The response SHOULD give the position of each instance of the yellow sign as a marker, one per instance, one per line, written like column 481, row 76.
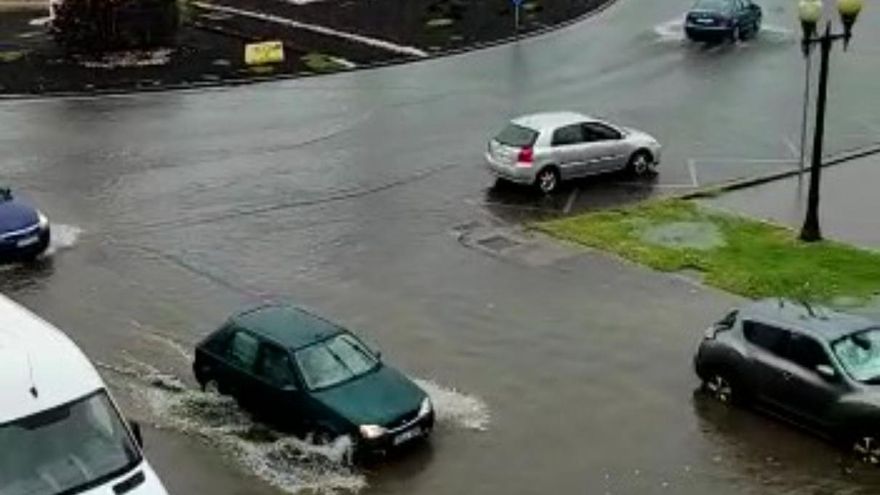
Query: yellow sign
column 270, row 52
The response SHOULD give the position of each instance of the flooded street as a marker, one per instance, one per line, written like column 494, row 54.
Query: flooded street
column 363, row 197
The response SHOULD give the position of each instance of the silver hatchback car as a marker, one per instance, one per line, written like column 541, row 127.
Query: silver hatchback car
column 546, row 148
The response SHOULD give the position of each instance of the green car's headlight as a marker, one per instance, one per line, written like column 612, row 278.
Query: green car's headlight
column 44, row 222
column 371, row 432
column 426, row 407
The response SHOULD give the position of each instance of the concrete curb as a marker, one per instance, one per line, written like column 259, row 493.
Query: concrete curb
column 231, row 83
column 735, row 185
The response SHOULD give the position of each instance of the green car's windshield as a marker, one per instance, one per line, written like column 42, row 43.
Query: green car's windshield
column 334, row 361
column 66, row 449
column 859, row 354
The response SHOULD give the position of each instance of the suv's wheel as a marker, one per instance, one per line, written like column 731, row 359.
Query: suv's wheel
column 547, row 180
column 641, row 164
column 721, row 387
column 866, row 447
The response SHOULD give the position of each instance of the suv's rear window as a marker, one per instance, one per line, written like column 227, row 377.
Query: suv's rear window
column 515, row 135
column 713, row 5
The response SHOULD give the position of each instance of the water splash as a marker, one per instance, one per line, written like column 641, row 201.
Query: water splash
column 672, row 31
column 286, row 462
column 63, row 237
column 455, row 408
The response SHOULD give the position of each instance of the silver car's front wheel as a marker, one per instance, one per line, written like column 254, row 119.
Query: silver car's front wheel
column 547, row 180
column 641, row 164
column 867, row 449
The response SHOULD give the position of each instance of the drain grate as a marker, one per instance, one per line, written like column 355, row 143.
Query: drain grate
column 497, row 243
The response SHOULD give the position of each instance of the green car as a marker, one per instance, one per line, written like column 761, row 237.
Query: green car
column 313, row 377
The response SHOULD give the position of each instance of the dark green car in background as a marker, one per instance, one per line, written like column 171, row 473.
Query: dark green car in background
column 313, row 377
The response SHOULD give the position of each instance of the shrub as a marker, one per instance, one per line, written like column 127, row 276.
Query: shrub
column 106, row 25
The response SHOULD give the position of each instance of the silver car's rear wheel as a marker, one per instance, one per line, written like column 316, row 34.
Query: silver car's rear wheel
column 720, row 388
column 547, row 180
column 867, row 449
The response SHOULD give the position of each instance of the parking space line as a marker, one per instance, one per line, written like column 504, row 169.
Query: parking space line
column 795, row 151
column 692, row 169
column 571, row 199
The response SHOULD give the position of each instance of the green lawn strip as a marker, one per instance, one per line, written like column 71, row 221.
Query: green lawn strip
column 320, row 62
column 757, row 259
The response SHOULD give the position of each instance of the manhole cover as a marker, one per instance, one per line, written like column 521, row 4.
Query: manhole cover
column 497, row 243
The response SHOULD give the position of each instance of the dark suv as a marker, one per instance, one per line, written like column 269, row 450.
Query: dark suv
column 311, row 376
column 818, row 367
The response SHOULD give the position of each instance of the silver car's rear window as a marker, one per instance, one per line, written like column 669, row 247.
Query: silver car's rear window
column 515, row 135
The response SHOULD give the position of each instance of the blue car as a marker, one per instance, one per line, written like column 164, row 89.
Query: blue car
column 24, row 230
column 719, row 20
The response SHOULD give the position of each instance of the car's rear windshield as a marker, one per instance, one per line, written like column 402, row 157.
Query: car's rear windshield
column 713, row 5
column 65, row 450
column 859, row 354
column 516, row 135
column 333, row 361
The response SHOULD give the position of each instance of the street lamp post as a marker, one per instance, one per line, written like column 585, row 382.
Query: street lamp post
column 810, row 12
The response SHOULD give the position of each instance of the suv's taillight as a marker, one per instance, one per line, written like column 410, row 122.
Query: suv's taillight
column 525, row 157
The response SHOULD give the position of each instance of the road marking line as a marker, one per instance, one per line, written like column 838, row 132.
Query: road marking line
column 692, row 169
column 377, row 43
column 571, row 199
column 743, row 160
column 795, row 151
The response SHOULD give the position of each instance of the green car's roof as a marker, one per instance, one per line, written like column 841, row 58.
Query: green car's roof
column 287, row 325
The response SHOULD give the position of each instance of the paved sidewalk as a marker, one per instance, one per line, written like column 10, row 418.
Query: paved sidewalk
column 849, row 201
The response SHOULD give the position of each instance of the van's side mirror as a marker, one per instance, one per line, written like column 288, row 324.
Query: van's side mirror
column 826, row 372
column 136, row 431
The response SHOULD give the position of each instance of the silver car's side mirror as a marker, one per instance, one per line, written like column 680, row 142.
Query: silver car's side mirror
column 826, row 371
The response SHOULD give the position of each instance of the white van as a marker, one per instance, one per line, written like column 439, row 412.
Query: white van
column 60, row 431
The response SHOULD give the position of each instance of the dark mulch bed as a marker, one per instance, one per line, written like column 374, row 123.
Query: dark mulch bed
column 408, row 21
column 34, row 65
column 210, row 47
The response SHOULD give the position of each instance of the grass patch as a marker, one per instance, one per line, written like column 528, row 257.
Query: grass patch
column 319, row 62
column 756, row 259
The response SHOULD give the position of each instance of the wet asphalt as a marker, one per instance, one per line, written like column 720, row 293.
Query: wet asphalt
column 357, row 195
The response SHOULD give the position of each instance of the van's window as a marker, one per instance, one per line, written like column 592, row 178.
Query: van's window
column 334, row 361
column 243, row 350
column 518, row 136
column 68, row 449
